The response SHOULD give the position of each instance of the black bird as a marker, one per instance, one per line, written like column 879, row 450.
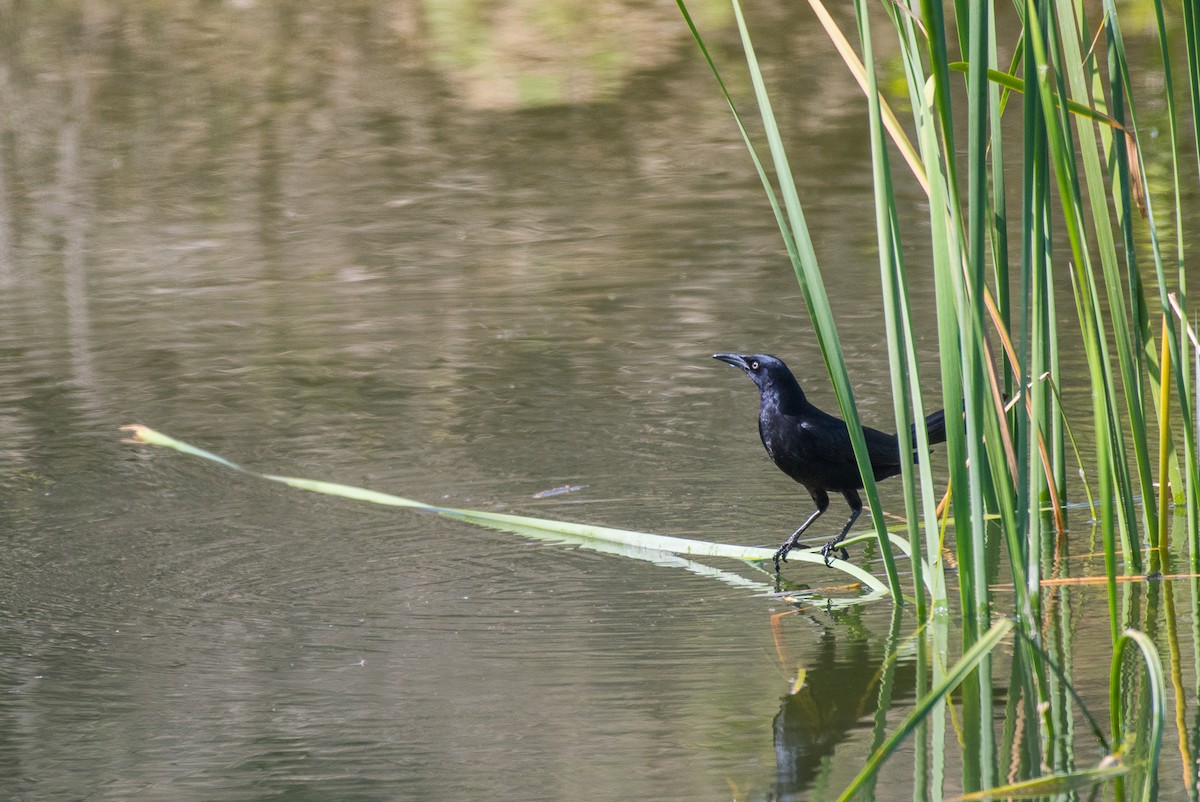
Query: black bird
column 813, row 447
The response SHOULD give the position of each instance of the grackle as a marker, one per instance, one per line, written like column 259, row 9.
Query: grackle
column 813, row 447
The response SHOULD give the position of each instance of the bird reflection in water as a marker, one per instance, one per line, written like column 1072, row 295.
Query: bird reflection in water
column 843, row 687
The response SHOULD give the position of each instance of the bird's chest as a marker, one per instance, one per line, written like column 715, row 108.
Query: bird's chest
column 781, row 436
column 795, row 446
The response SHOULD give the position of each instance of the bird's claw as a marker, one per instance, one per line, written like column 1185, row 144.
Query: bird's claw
column 781, row 555
column 830, row 549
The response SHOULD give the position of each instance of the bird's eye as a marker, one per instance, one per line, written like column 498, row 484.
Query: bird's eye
column 754, row 364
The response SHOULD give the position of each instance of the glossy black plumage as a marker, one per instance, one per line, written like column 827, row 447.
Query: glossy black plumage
column 813, row 447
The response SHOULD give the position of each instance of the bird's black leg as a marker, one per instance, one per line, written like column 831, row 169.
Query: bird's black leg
column 855, row 509
column 821, row 499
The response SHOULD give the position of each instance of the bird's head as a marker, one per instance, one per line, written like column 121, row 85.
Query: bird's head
column 766, row 370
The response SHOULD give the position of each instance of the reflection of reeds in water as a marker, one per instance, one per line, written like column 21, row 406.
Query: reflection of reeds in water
column 1057, row 114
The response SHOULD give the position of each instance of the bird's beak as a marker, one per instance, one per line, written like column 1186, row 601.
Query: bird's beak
column 733, row 359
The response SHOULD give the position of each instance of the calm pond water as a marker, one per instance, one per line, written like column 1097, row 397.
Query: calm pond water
column 460, row 254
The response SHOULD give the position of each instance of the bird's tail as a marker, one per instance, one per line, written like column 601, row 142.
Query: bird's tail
column 935, row 427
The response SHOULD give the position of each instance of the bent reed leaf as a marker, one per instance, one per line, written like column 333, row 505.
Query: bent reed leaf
column 643, row 545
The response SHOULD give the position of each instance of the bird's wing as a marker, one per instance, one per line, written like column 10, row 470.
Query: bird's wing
column 883, row 448
column 828, row 439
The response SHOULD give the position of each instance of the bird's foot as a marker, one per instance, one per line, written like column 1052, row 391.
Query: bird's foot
column 781, row 555
column 830, row 549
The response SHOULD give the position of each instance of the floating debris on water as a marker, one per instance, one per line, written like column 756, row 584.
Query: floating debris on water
column 558, row 491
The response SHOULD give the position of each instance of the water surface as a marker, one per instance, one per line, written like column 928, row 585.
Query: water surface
column 464, row 259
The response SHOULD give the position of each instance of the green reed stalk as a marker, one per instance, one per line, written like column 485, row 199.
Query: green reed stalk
column 1188, row 486
column 1191, row 27
column 959, row 378
column 1133, row 421
column 1035, row 324
column 1154, row 708
column 977, row 352
column 895, row 286
column 946, row 233
column 905, row 373
column 1060, row 152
